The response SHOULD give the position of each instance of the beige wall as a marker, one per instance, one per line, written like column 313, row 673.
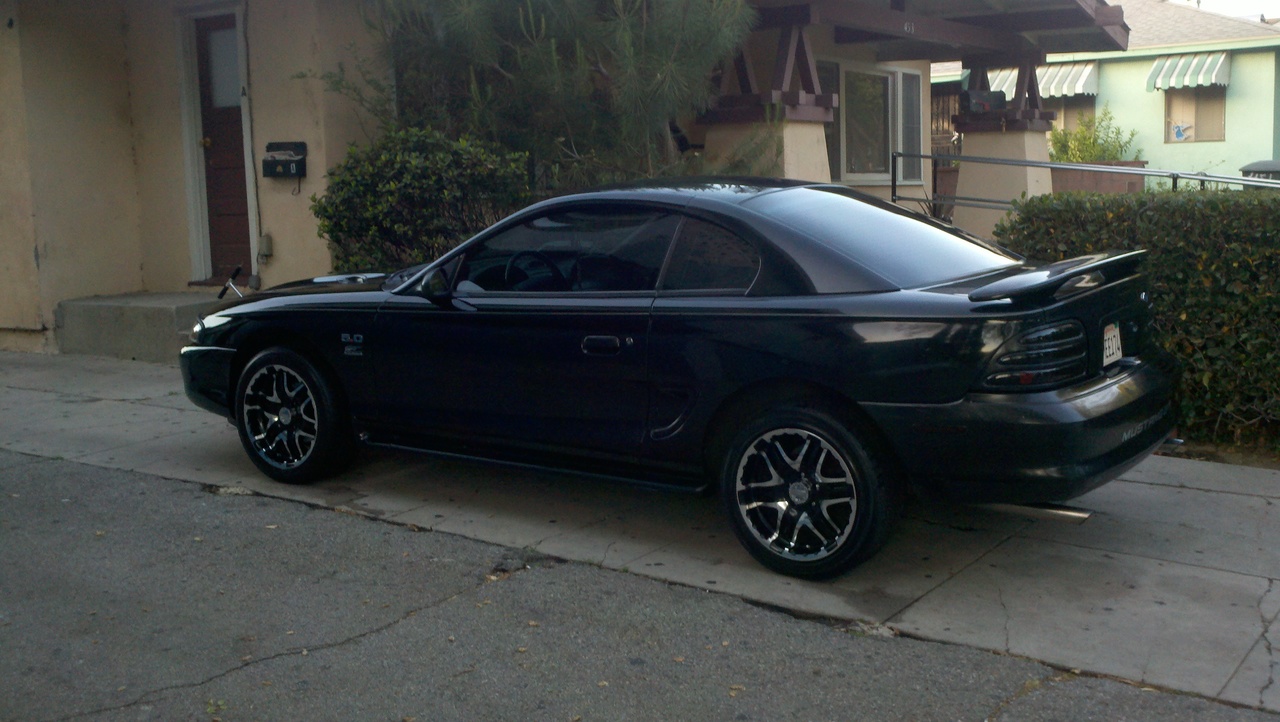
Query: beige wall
column 289, row 109
column 985, row 180
column 68, row 161
column 157, row 77
column 19, row 292
column 98, row 160
column 283, row 39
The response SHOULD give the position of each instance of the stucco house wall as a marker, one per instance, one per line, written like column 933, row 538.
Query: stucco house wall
column 1251, row 103
column 100, row 162
column 286, row 108
column 76, row 172
column 19, row 302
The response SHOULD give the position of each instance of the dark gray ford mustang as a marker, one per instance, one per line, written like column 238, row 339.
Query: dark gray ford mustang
column 809, row 352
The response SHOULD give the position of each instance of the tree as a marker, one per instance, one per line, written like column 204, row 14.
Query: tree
column 1096, row 138
column 588, row 88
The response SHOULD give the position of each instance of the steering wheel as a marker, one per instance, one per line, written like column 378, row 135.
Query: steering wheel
column 557, row 276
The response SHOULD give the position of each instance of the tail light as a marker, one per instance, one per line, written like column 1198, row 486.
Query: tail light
column 1043, row 358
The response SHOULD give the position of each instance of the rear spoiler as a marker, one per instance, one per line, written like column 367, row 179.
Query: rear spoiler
column 1046, row 280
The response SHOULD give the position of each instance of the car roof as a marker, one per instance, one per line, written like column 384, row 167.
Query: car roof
column 725, row 189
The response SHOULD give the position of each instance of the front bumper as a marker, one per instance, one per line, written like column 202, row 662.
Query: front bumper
column 206, row 377
column 1027, row 448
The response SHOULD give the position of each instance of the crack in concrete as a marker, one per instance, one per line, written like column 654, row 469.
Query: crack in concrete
column 1265, row 642
column 948, row 577
column 605, row 556
column 1146, row 557
column 1205, row 490
column 82, row 458
column 1005, row 608
column 299, row 651
column 1272, row 662
column 1028, row 688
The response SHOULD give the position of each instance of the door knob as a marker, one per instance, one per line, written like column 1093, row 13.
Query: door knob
column 206, row 142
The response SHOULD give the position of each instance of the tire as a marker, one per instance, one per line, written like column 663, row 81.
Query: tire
column 291, row 419
column 806, row 496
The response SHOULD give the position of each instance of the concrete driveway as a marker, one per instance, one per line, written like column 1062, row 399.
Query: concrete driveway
column 1171, row 583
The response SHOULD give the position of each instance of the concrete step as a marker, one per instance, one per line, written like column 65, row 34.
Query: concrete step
column 136, row 326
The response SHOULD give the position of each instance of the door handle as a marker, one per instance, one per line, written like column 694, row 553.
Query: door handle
column 601, row 345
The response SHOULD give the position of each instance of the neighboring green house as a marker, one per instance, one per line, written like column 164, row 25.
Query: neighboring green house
column 1202, row 90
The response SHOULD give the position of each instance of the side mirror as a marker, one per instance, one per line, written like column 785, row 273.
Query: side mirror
column 435, row 287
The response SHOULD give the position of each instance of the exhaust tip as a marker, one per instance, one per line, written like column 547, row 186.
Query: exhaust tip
column 1052, row 512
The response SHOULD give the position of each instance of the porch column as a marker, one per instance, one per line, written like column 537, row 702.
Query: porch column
column 777, row 132
column 787, row 149
column 1015, row 130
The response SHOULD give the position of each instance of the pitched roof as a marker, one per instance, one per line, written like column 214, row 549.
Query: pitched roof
column 1159, row 22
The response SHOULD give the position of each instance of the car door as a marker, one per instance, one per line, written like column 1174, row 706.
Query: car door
column 545, row 341
column 705, row 337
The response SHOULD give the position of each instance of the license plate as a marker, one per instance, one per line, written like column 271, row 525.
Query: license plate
column 1111, row 351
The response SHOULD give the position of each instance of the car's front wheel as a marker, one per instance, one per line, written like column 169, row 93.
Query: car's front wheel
column 291, row 419
column 805, row 495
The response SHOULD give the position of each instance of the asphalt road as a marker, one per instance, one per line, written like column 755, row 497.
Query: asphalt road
column 126, row 596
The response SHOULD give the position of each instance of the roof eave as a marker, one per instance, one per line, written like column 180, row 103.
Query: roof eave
column 1261, row 43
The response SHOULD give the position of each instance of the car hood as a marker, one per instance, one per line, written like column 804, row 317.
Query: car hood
column 338, row 284
column 327, row 284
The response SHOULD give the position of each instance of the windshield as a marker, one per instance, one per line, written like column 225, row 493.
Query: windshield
column 902, row 248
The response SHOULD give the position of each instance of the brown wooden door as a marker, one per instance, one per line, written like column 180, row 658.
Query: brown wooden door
column 218, row 62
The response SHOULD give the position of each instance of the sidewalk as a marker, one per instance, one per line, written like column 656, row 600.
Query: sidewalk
column 1171, row 583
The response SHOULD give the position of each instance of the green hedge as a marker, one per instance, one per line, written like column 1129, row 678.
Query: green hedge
column 412, row 195
column 1214, row 269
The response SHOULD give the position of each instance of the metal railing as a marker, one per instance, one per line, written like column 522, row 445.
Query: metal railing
column 1174, row 177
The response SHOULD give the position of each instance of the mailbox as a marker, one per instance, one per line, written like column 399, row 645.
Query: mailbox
column 982, row 101
column 1265, row 169
column 285, row 160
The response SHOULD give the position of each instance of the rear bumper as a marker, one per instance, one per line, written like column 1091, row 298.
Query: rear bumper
column 206, row 377
column 1024, row 448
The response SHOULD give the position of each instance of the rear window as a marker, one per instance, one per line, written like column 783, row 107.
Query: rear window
column 903, row 249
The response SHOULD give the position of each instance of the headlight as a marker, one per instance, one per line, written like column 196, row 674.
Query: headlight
column 210, row 321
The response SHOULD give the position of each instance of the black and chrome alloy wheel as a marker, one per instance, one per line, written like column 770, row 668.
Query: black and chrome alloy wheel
column 804, row 494
column 279, row 412
column 291, row 418
column 796, row 495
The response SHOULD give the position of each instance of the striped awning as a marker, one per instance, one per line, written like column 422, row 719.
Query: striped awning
column 1189, row 71
column 1056, row 80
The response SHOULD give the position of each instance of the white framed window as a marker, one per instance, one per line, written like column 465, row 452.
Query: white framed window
column 1195, row 114
column 1070, row 109
column 879, row 113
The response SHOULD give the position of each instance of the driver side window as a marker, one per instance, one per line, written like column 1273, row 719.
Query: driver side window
column 575, row 250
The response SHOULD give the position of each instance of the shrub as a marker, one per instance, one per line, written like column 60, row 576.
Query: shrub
column 1095, row 138
column 412, row 195
column 1214, row 270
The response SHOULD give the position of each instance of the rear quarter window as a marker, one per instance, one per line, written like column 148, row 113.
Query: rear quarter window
column 708, row 257
column 904, row 250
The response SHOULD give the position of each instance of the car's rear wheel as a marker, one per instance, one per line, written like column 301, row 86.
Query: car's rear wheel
column 291, row 419
column 805, row 495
